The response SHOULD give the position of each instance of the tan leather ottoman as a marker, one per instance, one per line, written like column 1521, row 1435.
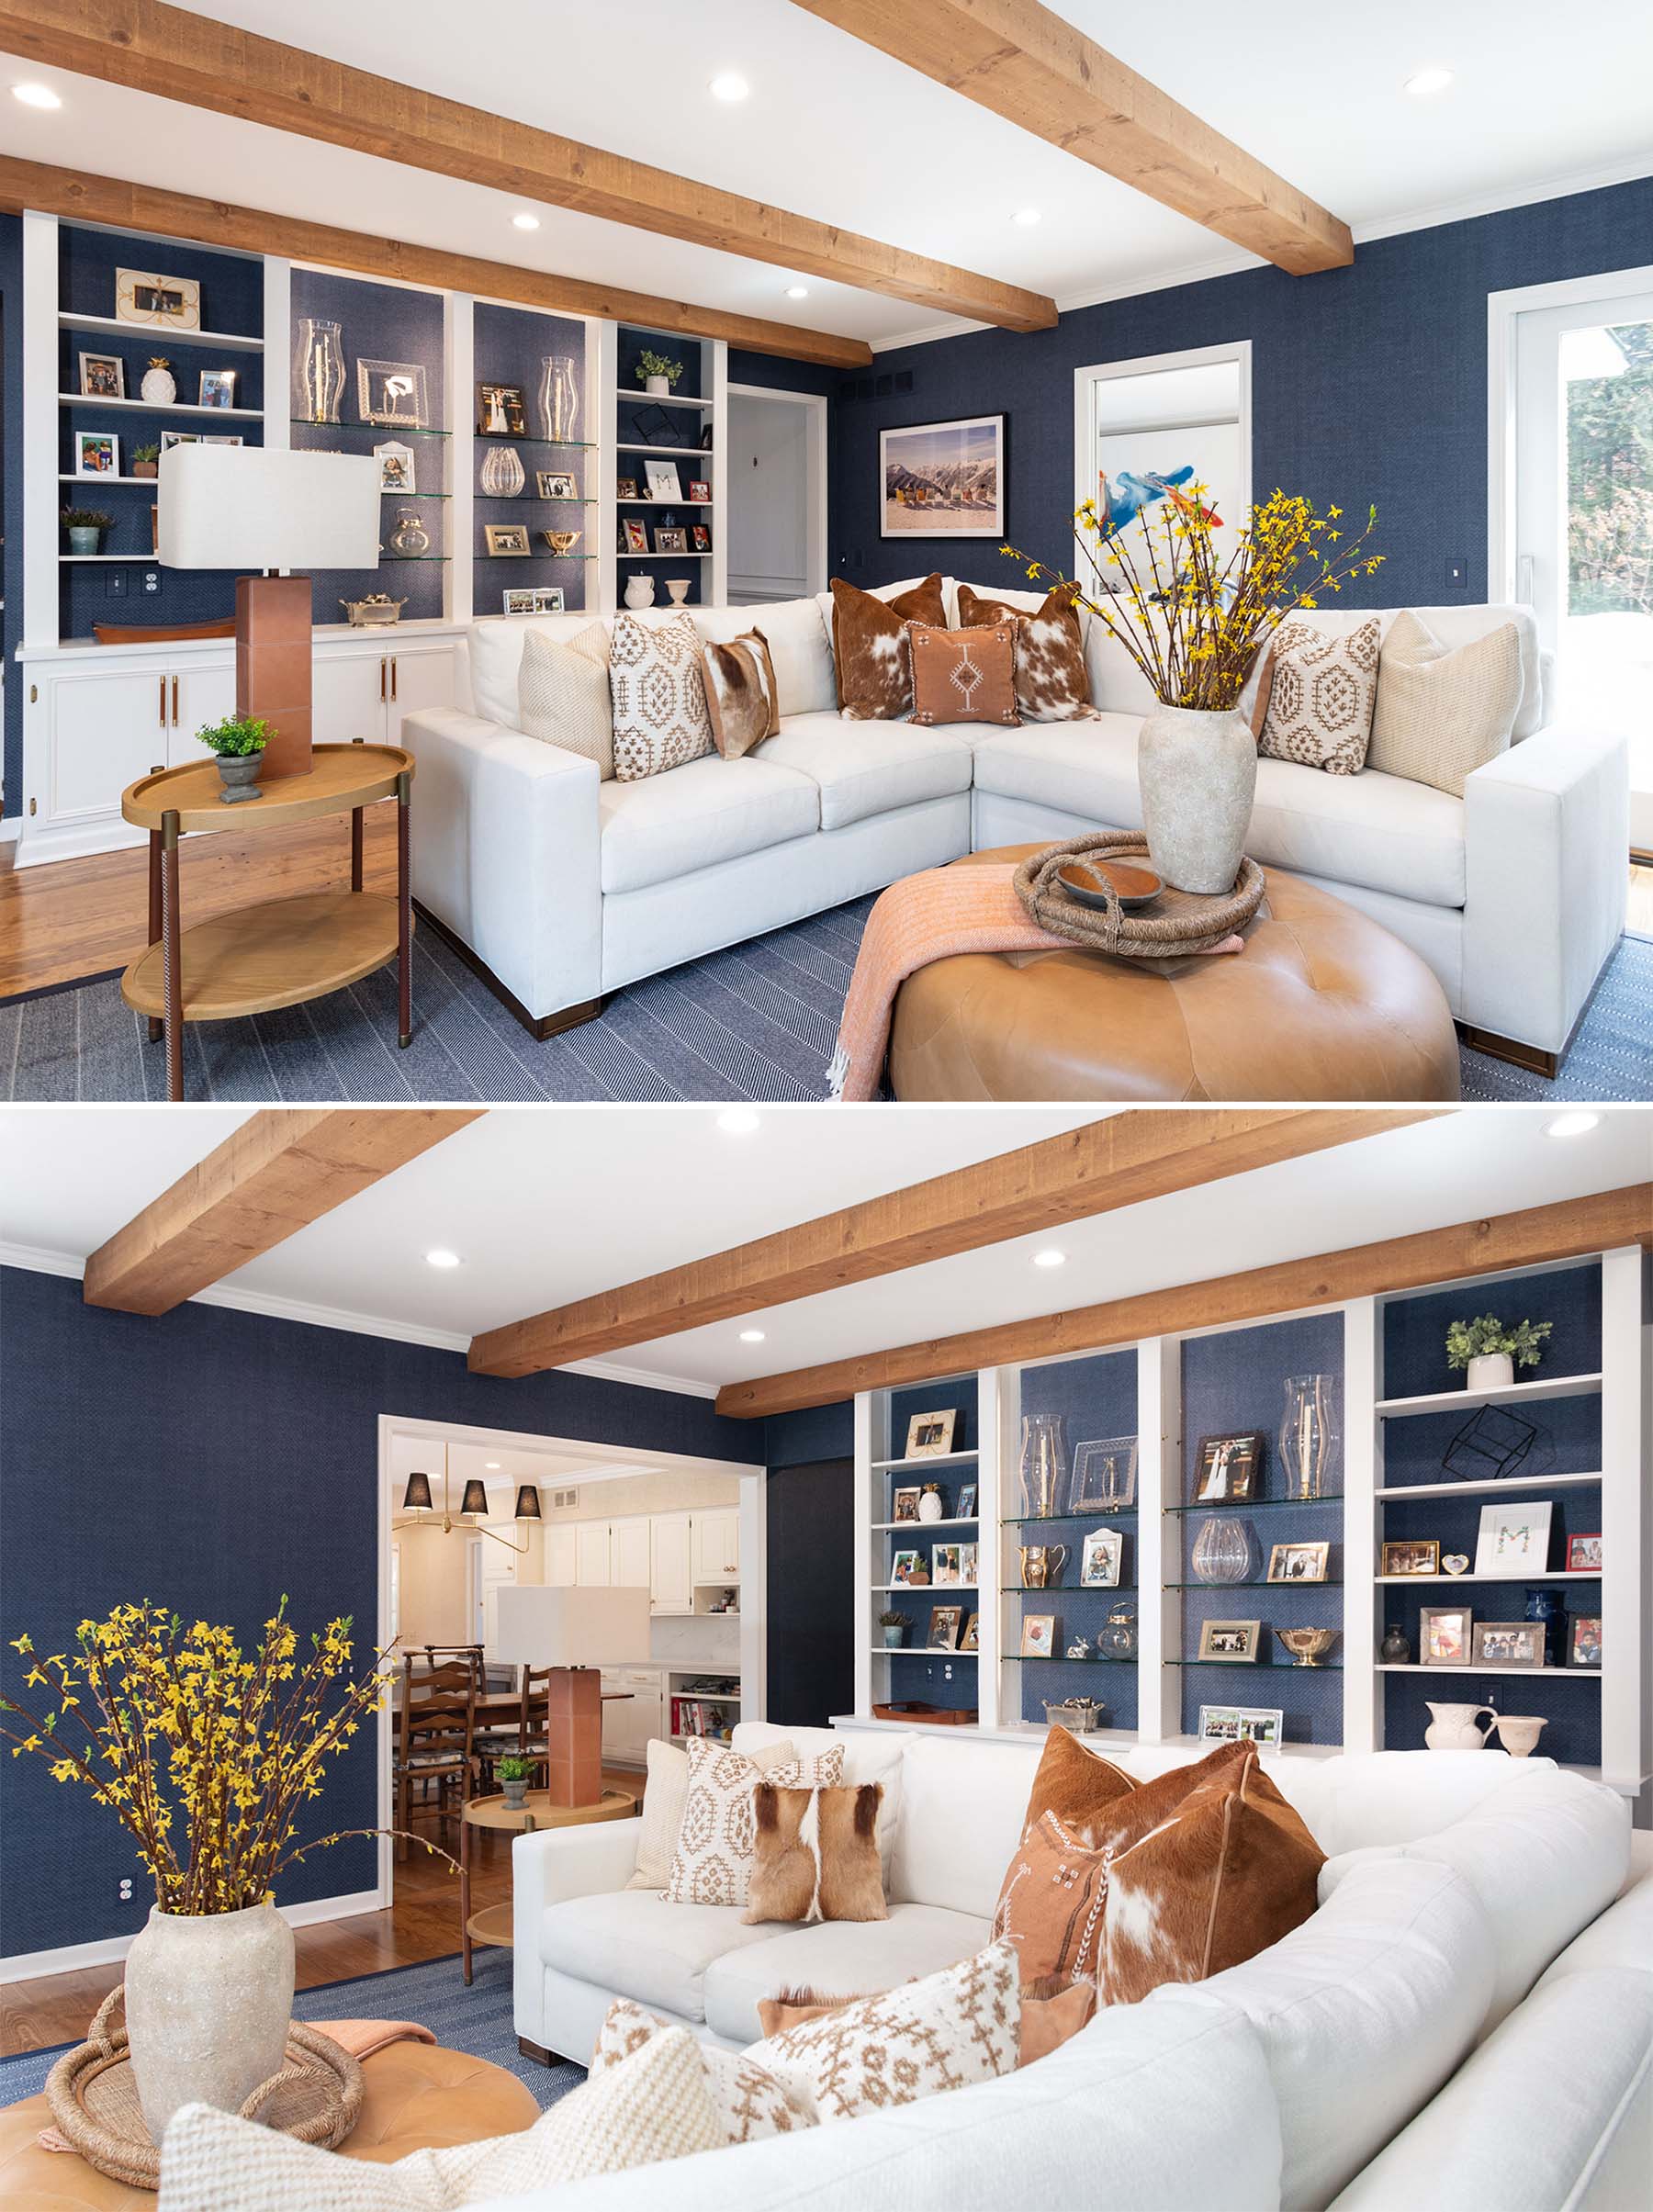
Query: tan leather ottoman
column 1322, row 1003
column 419, row 2097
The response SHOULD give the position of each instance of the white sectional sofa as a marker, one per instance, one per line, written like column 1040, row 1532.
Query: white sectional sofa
column 1391, row 2053
column 564, row 888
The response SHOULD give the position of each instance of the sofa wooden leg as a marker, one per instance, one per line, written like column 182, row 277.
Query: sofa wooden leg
column 1529, row 1057
column 546, row 2058
column 538, row 1026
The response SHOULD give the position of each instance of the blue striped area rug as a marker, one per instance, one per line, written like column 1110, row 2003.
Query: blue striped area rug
column 476, row 2020
column 758, row 1021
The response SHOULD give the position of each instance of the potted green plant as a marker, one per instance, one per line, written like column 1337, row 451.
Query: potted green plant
column 239, row 742
column 85, row 526
column 146, row 460
column 894, row 1626
column 659, row 375
column 515, row 1773
column 1490, row 1353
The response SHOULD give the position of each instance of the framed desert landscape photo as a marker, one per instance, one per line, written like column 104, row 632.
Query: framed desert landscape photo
column 943, row 479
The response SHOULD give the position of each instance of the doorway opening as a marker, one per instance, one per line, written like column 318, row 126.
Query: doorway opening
column 777, row 494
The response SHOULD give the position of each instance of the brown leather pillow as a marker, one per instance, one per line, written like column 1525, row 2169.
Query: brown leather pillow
column 1052, row 683
column 965, row 675
column 740, row 693
column 870, row 656
column 840, row 1869
column 1050, row 2013
column 1052, row 1902
column 1074, row 1783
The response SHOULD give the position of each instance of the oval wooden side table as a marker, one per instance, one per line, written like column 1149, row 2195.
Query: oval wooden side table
column 492, row 1925
column 281, row 951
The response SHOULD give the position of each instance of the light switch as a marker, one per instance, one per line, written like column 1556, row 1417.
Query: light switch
column 1458, row 572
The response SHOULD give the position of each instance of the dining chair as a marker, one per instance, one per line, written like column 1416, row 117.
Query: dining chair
column 436, row 1728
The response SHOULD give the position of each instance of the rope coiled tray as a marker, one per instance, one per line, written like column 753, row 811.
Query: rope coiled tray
column 1182, row 921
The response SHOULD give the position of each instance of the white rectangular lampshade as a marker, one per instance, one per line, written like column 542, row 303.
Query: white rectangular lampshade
column 536, row 1625
column 240, row 507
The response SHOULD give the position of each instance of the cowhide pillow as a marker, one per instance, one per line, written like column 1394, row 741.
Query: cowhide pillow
column 817, row 1854
column 1323, row 693
column 1052, row 682
column 740, row 693
column 1073, row 1783
column 965, row 675
column 712, row 1863
column 869, row 650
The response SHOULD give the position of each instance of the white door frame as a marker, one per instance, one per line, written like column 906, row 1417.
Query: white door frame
column 815, row 403
column 1502, row 311
column 1085, row 379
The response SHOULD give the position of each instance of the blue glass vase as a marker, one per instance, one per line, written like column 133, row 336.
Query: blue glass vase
column 1548, row 1606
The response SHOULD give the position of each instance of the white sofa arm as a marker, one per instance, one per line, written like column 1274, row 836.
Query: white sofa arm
column 1547, row 833
column 506, row 851
column 548, row 1867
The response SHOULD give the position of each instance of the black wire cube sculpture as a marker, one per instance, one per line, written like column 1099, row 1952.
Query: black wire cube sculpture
column 1491, row 1445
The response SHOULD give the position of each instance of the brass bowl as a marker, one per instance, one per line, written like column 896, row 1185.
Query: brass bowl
column 561, row 541
column 1307, row 1645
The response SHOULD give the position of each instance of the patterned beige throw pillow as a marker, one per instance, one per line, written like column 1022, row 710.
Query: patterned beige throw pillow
column 665, row 1794
column 1319, row 710
column 563, row 694
column 961, row 2025
column 661, row 718
column 654, row 2106
column 1442, row 714
column 713, row 1861
column 749, row 2102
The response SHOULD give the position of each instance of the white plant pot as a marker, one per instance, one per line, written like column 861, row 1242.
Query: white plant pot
column 657, row 388
column 208, row 1997
column 1197, row 774
column 1491, row 1371
column 640, row 591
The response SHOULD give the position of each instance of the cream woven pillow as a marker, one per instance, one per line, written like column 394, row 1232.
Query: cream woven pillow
column 655, row 2106
column 961, row 2025
column 1443, row 713
column 659, row 696
column 713, row 1861
column 563, row 694
column 1319, row 710
column 749, row 2102
column 665, row 1794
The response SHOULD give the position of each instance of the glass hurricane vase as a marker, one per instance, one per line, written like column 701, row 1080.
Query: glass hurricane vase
column 1309, row 1435
column 318, row 370
column 558, row 398
column 1043, row 1465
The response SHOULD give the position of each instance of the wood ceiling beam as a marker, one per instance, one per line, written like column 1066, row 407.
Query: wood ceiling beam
column 1565, row 1230
column 278, row 1172
column 82, row 198
column 1095, row 1169
column 179, row 55
column 1037, row 70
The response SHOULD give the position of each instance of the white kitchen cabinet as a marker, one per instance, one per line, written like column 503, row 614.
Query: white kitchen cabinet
column 102, row 730
column 635, row 1717
column 591, row 1554
column 561, row 1555
column 717, row 1544
column 427, row 676
column 628, row 1553
column 197, row 696
column 670, row 1571
column 348, row 696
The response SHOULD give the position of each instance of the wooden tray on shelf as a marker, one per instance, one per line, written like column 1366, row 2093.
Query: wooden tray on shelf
column 931, row 1716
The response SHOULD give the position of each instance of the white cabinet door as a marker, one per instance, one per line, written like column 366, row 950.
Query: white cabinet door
column 670, row 1577
column 428, row 678
column 561, row 1568
column 635, row 1716
column 348, row 695
column 106, row 730
column 717, row 1544
column 628, row 1553
column 197, row 696
column 591, row 1554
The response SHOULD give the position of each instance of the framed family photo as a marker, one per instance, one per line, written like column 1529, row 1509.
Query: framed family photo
column 1508, row 1644
column 945, row 1621
column 1259, row 1724
column 1038, row 1636
column 96, row 452
column 507, row 538
column 904, row 1503
column 1584, row 1647
column 102, row 376
column 930, row 1435
column 907, row 1569
column 143, row 296
column 1298, row 1562
column 1229, row 1639
column 1415, row 1556
column 217, row 388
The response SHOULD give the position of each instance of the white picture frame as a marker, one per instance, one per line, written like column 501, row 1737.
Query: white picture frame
column 96, row 452
column 393, row 393
column 661, row 477
column 397, row 466
column 946, row 1572
column 157, row 302
column 1513, row 1539
column 1101, row 1559
column 1261, row 1724
column 942, row 479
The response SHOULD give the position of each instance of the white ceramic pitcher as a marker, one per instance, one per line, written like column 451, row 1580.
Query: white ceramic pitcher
column 1457, row 1727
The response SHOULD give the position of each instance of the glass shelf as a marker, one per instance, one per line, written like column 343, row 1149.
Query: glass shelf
column 1330, row 1583
column 529, row 499
column 1039, row 1658
column 380, row 430
column 1240, row 1506
column 512, row 437
column 1090, row 1512
column 1267, row 1665
column 540, row 553
column 1079, row 1590
column 404, row 560
column 412, row 498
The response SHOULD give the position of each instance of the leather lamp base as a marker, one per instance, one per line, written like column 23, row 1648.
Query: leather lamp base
column 273, row 667
column 574, row 1736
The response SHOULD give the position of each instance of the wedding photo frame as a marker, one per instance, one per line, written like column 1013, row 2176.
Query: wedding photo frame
column 1227, row 1468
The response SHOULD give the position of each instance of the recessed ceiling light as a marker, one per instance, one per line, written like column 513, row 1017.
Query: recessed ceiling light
column 751, row 1336
column 35, row 95
column 738, row 1121
column 524, row 221
column 1027, row 217
column 1425, row 83
column 1571, row 1125
column 729, row 85
column 491, row 1465
column 797, row 291
column 1050, row 1257
column 442, row 1257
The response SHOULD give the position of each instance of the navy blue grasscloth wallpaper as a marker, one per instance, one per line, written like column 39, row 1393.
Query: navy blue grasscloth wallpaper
column 211, row 1460
column 1368, row 385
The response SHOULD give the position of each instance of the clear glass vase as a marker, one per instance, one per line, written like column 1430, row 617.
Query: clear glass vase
column 503, row 474
column 1309, row 1435
column 1223, row 1551
column 1044, row 1464
column 558, row 398
column 318, row 370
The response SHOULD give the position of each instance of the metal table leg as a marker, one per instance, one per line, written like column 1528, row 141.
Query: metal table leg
column 154, row 909
column 355, row 849
column 404, row 909
column 173, row 957
column 465, row 1913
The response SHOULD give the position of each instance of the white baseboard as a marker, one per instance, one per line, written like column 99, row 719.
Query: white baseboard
column 70, row 1958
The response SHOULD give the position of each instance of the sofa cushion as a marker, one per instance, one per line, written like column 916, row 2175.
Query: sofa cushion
column 632, row 1942
column 1076, row 1782
column 961, row 1817
column 838, row 1957
column 799, row 648
column 869, row 767
column 1380, row 831
column 1052, row 682
column 709, row 810
column 713, row 1861
column 564, row 697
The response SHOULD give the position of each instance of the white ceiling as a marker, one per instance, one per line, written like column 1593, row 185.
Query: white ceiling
column 546, row 1208
column 837, row 131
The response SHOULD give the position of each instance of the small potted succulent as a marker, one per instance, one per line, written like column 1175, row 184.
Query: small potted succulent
column 1490, row 1353
column 658, row 374
column 515, row 1774
column 239, row 741
column 894, row 1626
column 146, row 460
column 85, row 526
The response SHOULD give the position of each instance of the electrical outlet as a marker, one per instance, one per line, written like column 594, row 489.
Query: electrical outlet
column 152, row 583
column 115, row 583
column 1458, row 572
column 126, row 1892
column 947, row 1672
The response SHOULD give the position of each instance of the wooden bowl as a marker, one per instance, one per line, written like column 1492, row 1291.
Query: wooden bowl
column 1133, row 885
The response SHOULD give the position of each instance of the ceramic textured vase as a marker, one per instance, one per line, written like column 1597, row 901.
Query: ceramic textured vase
column 1396, row 1648
column 503, row 474
column 1458, row 1727
column 318, row 370
column 1222, row 1551
column 1198, row 772
column 1519, row 1732
column 639, row 591
column 159, row 387
column 677, row 589
column 208, row 1997
column 929, row 1503
column 85, row 537
column 1491, row 1371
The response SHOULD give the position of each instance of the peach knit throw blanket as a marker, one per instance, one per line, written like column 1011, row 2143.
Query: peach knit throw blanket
column 927, row 918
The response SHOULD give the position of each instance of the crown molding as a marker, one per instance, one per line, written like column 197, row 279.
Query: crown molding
column 640, row 1378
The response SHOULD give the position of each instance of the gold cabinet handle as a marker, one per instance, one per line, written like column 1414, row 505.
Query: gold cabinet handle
column 163, row 703
column 381, row 679
column 175, row 702
column 393, row 675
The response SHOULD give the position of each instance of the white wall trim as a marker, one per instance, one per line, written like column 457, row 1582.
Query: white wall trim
column 641, row 1378
column 1086, row 378
column 70, row 1958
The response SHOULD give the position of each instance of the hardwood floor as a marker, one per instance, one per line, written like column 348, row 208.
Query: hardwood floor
column 424, row 1922
column 1639, row 920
